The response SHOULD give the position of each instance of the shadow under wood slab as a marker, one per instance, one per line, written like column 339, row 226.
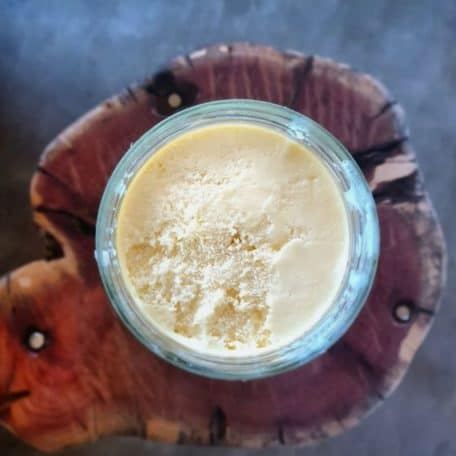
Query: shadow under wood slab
column 70, row 372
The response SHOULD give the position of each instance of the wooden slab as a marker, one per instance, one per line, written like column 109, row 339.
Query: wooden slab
column 89, row 377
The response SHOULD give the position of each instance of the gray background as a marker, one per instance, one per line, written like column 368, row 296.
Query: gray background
column 60, row 58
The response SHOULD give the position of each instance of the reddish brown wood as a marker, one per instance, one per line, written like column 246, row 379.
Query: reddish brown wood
column 92, row 378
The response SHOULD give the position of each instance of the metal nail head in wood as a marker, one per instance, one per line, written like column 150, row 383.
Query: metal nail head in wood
column 36, row 340
column 403, row 312
column 174, row 100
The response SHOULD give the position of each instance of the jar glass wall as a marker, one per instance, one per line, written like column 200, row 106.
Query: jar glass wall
column 363, row 240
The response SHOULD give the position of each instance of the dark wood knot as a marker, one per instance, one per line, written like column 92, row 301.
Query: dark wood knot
column 171, row 94
column 35, row 340
column 403, row 311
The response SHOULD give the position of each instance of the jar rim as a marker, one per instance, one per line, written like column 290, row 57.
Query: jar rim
column 363, row 255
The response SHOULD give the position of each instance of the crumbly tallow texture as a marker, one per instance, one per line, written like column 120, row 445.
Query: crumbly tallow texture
column 233, row 239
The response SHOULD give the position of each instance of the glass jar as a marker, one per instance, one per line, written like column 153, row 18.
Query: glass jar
column 363, row 239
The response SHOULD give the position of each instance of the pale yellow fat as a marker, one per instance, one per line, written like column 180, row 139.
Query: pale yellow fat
column 233, row 239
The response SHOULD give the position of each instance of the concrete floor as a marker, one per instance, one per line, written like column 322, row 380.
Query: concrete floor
column 60, row 58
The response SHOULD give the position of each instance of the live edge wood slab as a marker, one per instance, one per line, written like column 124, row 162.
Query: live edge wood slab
column 71, row 373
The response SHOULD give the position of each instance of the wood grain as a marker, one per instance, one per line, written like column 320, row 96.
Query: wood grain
column 92, row 378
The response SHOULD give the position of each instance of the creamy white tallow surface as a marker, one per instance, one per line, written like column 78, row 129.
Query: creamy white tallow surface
column 233, row 239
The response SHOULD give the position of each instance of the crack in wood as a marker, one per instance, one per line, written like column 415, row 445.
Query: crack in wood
column 361, row 360
column 52, row 248
column 299, row 75
column 7, row 399
column 372, row 157
column 57, row 180
column 380, row 396
column 84, row 226
column 365, row 156
column 405, row 189
column 217, row 426
column 424, row 311
column 189, row 60
column 127, row 96
column 386, row 107
column 79, row 420
column 132, row 94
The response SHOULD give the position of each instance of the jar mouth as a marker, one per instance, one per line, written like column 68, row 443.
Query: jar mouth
column 363, row 241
